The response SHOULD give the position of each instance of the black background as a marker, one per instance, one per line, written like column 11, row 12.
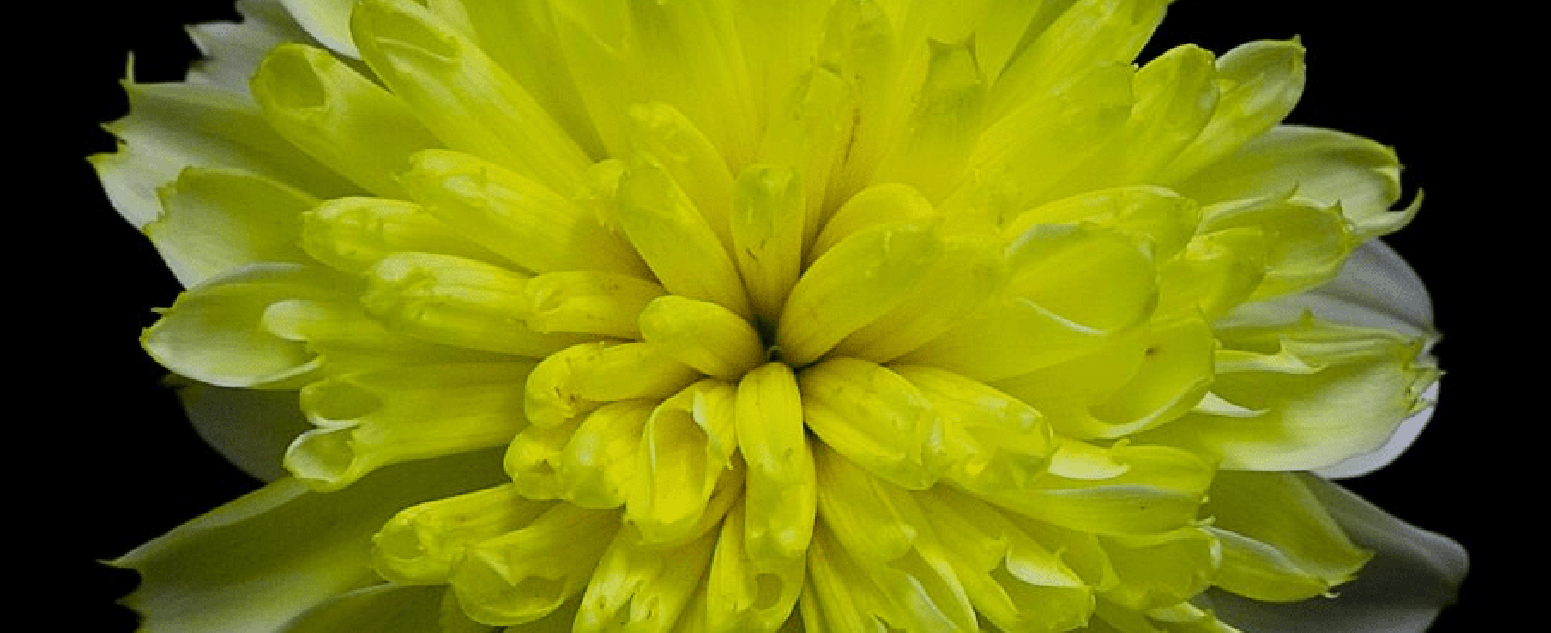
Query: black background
column 107, row 462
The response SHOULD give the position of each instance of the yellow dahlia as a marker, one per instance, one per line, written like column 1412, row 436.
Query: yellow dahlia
column 818, row 315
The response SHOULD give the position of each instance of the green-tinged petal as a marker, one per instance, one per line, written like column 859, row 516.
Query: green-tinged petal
column 339, row 117
column 525, row 575
column 781, row 485
column 529, row 222
column 1160, row 570
column 686, row 449
column 642, row 587
column 213, row 333
column 1015, row 581
column 748, row 593
column 232, row 50
column 853, row 284
column 601, row 461
column 1279, row 542
column 573, row 381
column 366, row 421
column 768, row 223
column 871, row 415
column 1089, row 33
column 676, row 239
column 216, row 220
column 1359, row 176
column 1303, row 244
column 1072, row 288
column 351, row 234
column 662, row 132
column 326, row 20
column 1159, row 489
column 386, row 607
column 250, row 428
column 702, row 335
column 1176, row 94
column 1308, row 395
column 1413, row 574
column 1143, row 379
column 944, row 123
column 970, row 271
column 455, row 88
column 423, row 543
column 589, row 301
column 988, row 439
column 174, row 126
column 257, row 562
column 838, row 595
column 460, row 302
column 1258, row 83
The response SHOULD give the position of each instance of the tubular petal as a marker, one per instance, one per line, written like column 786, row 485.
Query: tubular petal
column 781, row 484
column 525, row 575
column 452, row 85
column 526, row 221
column 675, row 239
column 853, row 284
column 745, row 594
column 873, row 416
column 351, row 234
column 768, row 224
column 641, row 587
column 686, row 449
column 339, row 117
column 213, row 332
column 702, row 335
column 422, row 544
column 456, row 301
column 371, row 420
column 600, row 461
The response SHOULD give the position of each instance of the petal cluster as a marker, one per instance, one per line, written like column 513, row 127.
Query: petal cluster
column 733, row 316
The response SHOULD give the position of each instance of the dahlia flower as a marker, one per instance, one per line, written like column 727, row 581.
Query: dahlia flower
column 820, row 315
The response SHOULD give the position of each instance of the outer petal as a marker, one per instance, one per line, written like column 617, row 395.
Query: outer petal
column 384, row 608
column 1374, row 289
column 1413, row 575
column 261, row 560
column 326, row 20
column 250, row 428
column 232, row 50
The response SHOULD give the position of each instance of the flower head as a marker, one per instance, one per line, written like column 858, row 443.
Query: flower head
column 733, row 316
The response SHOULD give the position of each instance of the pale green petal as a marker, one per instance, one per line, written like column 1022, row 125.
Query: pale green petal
column 215, row 220
column 1259, row 82
column 367, row 421
column 872, row 416
column 1279, row 542
column 686, row 451
column 1322, row 166
column 781, row 484
column 1089, row 33
column 351, row 234
column 422, row 543
column 385, row 608
column 250, row 428
column 745, row 593
column 257, row 562
column 454, row 87
column 525, row 575
column 1413, row 574
column 174, row 126
column 232, row 50
column 214, row 332
column 1311, row 395
column 339, row 117
column 326, row 20
column 643, row 584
